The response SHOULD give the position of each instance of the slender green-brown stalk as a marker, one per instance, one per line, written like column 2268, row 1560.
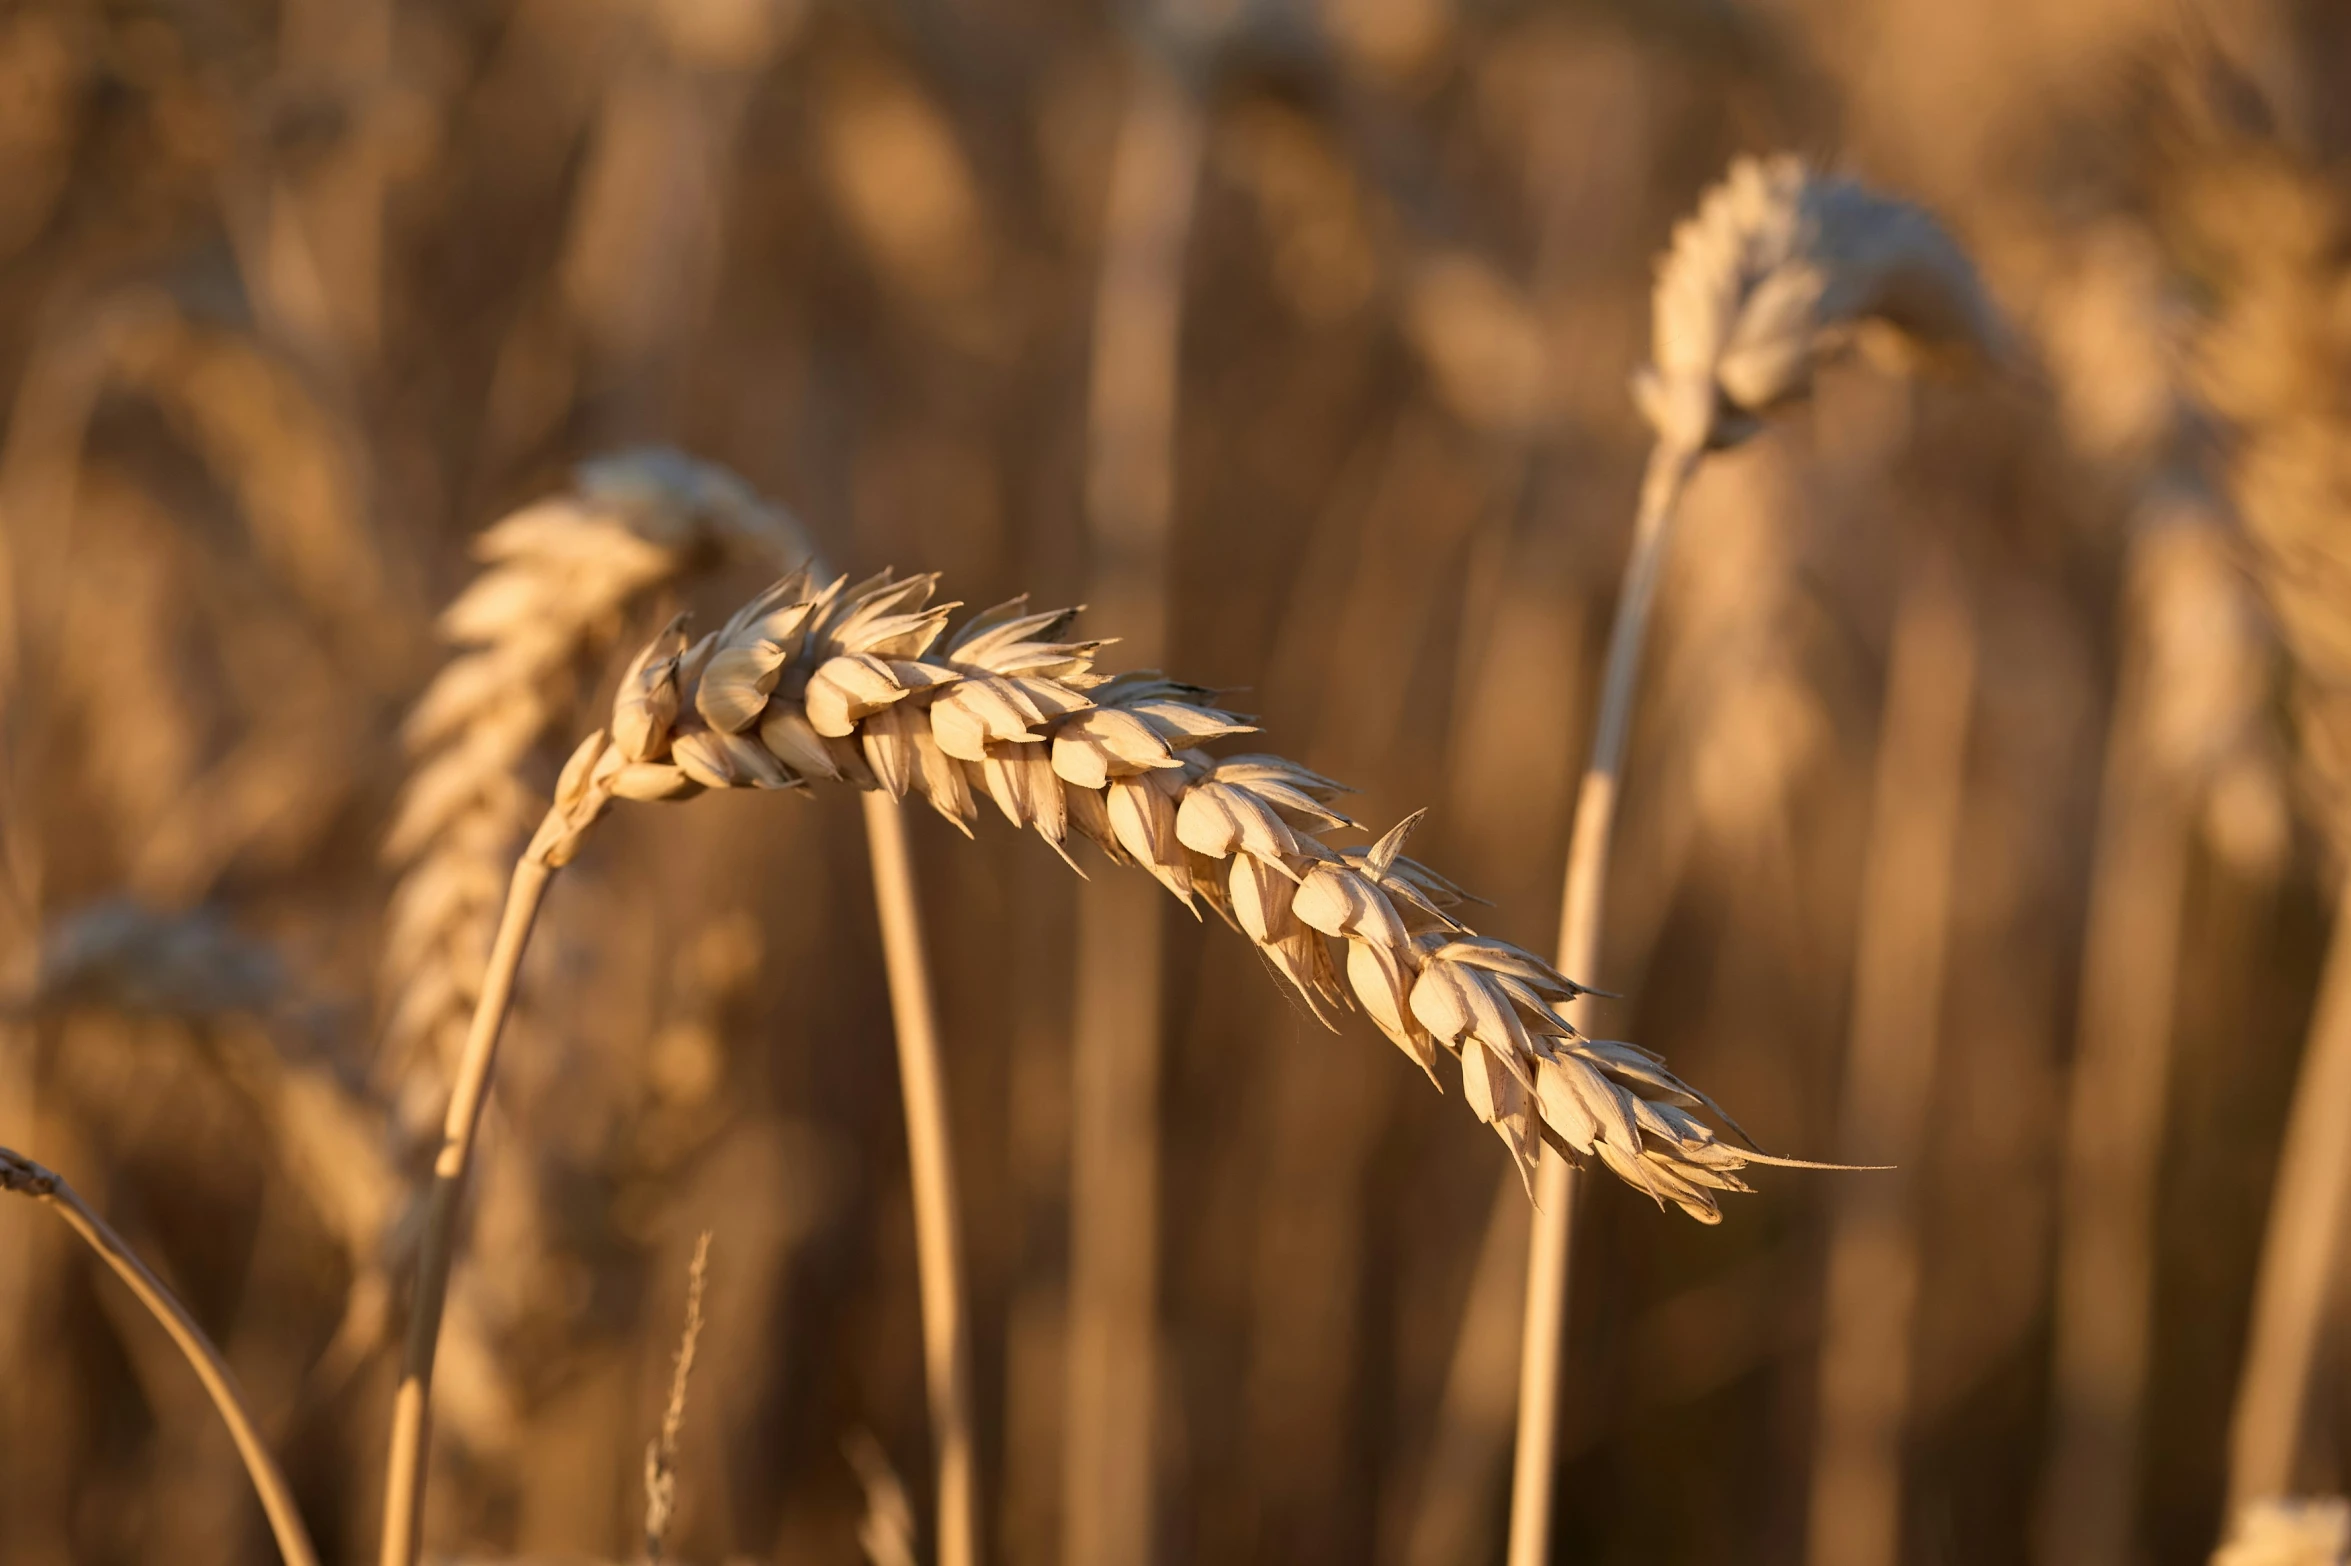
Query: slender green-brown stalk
column 24, row 1177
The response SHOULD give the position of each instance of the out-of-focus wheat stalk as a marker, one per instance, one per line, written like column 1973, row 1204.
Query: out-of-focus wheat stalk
column 1777, row 270
column 1112, row 1344
column 661, row 1453
column 561, row 575
column 22, row 1177
column 2273, row 363
column 1904, row 922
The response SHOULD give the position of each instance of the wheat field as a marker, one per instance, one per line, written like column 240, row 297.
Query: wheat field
column 534, row 1022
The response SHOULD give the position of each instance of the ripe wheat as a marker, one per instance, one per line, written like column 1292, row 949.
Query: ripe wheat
column 864, row 684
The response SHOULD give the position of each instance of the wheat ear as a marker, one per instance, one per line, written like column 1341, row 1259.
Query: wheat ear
column 22, row 1177
column 559, row 578
column 1778, row 269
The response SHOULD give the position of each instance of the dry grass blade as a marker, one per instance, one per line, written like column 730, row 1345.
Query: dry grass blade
column 661, row 1453
column 22, row 1177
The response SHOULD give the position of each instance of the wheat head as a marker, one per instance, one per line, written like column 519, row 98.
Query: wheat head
column 560, row 576
column 1781, row 268
column 865, row 684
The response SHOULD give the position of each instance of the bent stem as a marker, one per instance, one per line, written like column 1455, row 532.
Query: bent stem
column 1541, row 1334
column 946, row 1331
column 22, row 1175
column 2298, row 1251
column 412, row 1404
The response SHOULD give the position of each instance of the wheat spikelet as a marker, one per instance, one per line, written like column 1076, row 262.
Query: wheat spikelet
column 559, row 577
column 865, row 684
column 1777, row 270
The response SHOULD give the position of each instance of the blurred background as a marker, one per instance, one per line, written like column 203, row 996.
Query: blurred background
column 1985, row 768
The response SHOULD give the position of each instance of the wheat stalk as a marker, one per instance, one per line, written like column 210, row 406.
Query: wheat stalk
column 2272, row 364
column 1778, row 270
column 22, row 1177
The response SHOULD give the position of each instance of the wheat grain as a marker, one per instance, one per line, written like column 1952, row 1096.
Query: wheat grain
column 20, row 1176
column 865, row 685
column 560, row 576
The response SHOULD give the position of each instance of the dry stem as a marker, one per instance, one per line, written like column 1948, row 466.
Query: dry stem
column 2298, row 1249
column 27, row 1178
column 1904, row 922
column 946, row 1325
column 1541, row 1332
column 412, row 1404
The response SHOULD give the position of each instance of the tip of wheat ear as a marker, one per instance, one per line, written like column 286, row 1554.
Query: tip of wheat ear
column 868, row 685
column 1778, row 269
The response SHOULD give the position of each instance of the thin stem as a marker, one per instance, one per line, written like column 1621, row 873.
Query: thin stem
column 1871, row 1304
column 2114, row 1133
column 2298, row 1251
column 51, row 1190
column 946, row 1322
column 412, row 1404
column 1541, row 1342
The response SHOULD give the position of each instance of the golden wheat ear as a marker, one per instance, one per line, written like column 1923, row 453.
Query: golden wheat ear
column 1006, row 708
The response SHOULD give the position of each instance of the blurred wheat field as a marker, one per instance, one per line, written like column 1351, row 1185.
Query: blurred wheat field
column 1984, row 811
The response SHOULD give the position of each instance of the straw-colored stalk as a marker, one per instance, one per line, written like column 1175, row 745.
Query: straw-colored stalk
column 1904, row 921
column 2187, row 720
column 1113, row 1343
column 21, row 1176
column 1774, row 273
column 922, row 1071
column 2273, row 366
